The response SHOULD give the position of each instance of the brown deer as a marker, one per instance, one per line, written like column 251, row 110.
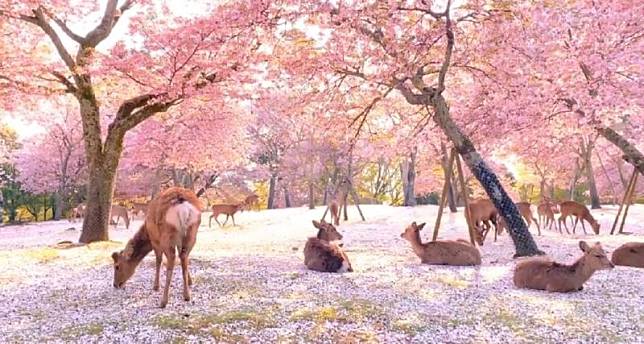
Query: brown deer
column 543, row 274
column 526, row 212
column 482, row 213
column 120, row 212
column 546, row 214
column 579, row 211
column 323, row 253
column 441, row 252
column 629, row 254
column 228, row 209
column 339, row 201
column 251, row 202
column 138, row 208
column 77, row 212
column 170, row 227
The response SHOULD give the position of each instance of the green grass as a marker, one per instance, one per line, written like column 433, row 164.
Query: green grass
column 77, row 331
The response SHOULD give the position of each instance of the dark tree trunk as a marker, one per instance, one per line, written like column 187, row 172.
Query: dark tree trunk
column 590, row 176
column 287, row 197
column 523, row 241
column 408, row 174
column 271, row 192
column 573, row 181
column 631, row 154
column 59, row 205
column 311, row 196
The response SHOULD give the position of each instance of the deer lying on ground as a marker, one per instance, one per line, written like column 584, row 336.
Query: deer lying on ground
column 323, row 253
column 120, row 212
column 77, row 212
column 442, row 252
column 629, row 254
column 579, row 211
column 543, row 274
column 482, row 213
column 170, row 227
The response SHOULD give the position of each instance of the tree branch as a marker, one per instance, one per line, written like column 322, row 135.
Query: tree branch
column 448, row 50
column 63, row 26
column 109, row 20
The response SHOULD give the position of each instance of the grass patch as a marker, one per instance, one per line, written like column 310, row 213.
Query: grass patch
column 213, row 324
column 410, row 326
column 42, row 255
column 348, row 311
column 77, row 331
column 453, row 282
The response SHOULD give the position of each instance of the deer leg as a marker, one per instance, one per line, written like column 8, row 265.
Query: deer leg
column 226, row 220
column 218, row 221
column 171, row 256
column 159, row 258
column 183, row 256
column 575, row 226
column 210, row 220
column 233, row 217
column 582, row 226
column 538, row 227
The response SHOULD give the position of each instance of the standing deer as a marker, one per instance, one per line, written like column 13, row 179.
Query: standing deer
column 77, row 212
column 119, row 212
column 441, row 252
column 546, row 214
column 543, row 274
column 228, row 209
column 629, row 254
column 323, row 253
column 170, row 228
column 579, row 211
column 526, row 213
column 482, row 213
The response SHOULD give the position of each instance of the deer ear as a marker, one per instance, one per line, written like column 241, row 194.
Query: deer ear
column 316, row 224
column 421, row 226
column 115, row 256
column 414, row 225
column 583, row 246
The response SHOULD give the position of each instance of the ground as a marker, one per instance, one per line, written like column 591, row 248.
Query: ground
column 250, row 285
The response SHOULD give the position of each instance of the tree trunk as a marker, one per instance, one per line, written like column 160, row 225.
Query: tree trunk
column 99, row 203
column 590, row 176
column 408, row 171
column 523, row 242
column 59, row 205
column 451, row 200
column 631, row 154
column 542, row 189
column 287, row 197
column 573, row 182
column 271, row 192
column 311, row 196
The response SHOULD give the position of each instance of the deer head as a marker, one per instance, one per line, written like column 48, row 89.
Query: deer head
column 412, row 232
column 327, row 231
column 124, row 265
column 595, row 256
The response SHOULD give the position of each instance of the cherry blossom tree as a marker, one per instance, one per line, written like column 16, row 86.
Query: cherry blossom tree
column 168, row 60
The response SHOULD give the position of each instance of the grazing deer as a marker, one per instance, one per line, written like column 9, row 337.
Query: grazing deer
column 442, row 252
column 526, row 212
column 77, row 212
column 579, row 211
column 170, row 227
column 323, row 253
column 629, row 254
column 119, row 212
column 228, row 209
column 543, row 274
column 482, row 213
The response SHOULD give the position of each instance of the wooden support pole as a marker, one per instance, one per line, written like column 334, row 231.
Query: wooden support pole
column 354, row 195
column 629, row 186
column 461, row 178
column 443, row 199
column 628, row 202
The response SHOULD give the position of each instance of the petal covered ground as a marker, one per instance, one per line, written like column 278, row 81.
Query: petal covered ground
column 250, row 285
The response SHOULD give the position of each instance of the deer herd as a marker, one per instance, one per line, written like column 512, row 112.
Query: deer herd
column 172, row 220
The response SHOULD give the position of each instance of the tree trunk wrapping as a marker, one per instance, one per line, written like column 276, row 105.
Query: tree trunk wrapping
column 631, row 154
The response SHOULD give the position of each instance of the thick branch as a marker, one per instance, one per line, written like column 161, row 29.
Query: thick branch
column 104, row 28
column 448, row 50
column 63, row 26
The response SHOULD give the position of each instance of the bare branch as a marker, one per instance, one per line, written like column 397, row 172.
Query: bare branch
column 448, row 50
column 104, row 28
column 71, row 88
column 63, row 26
